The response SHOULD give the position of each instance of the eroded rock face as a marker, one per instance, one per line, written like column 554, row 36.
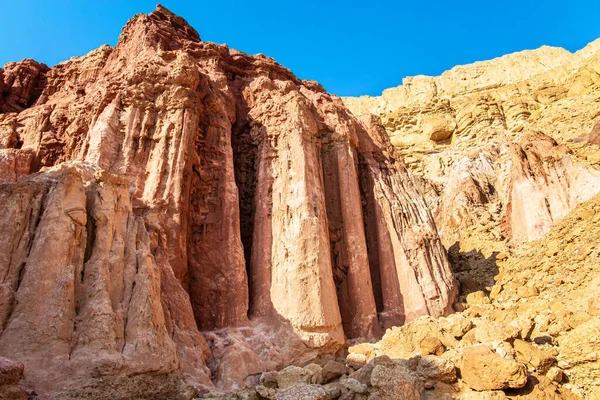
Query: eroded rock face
column 21, row 84
column 504, row 148
column 169, row 187
column 546, row 183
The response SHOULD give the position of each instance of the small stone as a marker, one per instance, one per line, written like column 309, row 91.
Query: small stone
column 495, row 292
column 333, row 390
column 436, row 368
column 333, row 370
column 366, row 349
column 432, row 345
column 456, row 325
column 356, row 361
column 539, row 359
column 394, row 381
column 526, row 292
column 355, row 386
column 586, row 214
column 381, row 360
column 292, row 375
column 363, row 375
column 317, row 377
column 594, row 306
column 265, row 392
column 302, row 391
column 11, row 372
column 477, row 298
column 555, row 374
column 413, row 362
column 483, row 369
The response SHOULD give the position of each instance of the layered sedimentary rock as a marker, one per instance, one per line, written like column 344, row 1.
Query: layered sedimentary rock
column 546, row 185
column 21, row 84
column 504, row 148
column 179, row 214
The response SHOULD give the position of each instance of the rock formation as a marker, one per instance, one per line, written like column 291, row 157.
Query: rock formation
column 180, row 215
column 504, row 148
column 534, row 336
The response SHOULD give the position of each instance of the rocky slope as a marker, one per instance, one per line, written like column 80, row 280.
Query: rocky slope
column 536, row 335
column 179, row 215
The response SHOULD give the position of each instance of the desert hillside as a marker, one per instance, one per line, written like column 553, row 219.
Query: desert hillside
column 183, row 220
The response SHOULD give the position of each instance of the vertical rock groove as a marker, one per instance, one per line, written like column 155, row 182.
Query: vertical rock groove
column 215, row 215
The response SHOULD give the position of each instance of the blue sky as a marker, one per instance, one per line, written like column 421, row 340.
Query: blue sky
column 350, row 47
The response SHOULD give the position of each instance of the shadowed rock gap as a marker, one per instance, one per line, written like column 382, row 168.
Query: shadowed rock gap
column 370, row 232
column 245, row 153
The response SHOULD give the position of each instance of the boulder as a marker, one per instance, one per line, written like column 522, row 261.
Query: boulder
column 541, row 360
column 333, row 370
column 483, row 369
column 432, row 345
column 437, row 369
column 456, row 325
column 363, row 375
column 11, row 372
column 396, row 383
column 293, row 375
column 355, row 386
column 405, row 341
column 302, row 391
column 477, row 298
column 269, row 379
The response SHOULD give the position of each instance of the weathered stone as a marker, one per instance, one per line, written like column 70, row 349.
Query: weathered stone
column 355, row 385
column 405, row 341
column 333, row 370
column 356, row 361
column 493, row 331
column 435, row 368
column 366, row 349
column 579, row 352
column 292, row 375
column 266, row 392
column 477, row 298
column 269, row 379
column 334, row 390
column 10, row 372
column 432, row 345
column 363, row 375
column 395, row 383
column 538, row 358
column 456, row 325
column 302, row 391
column 483, row 369
column 555, row 374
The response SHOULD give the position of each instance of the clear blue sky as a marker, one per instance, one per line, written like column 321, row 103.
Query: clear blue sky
column 351, row 47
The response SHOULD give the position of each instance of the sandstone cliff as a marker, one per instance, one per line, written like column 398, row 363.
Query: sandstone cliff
column 179, row 215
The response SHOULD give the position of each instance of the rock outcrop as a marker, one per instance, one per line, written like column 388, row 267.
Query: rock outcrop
column 21, row 84
column 180, row 215
column 504, row 148
column 456, row 129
